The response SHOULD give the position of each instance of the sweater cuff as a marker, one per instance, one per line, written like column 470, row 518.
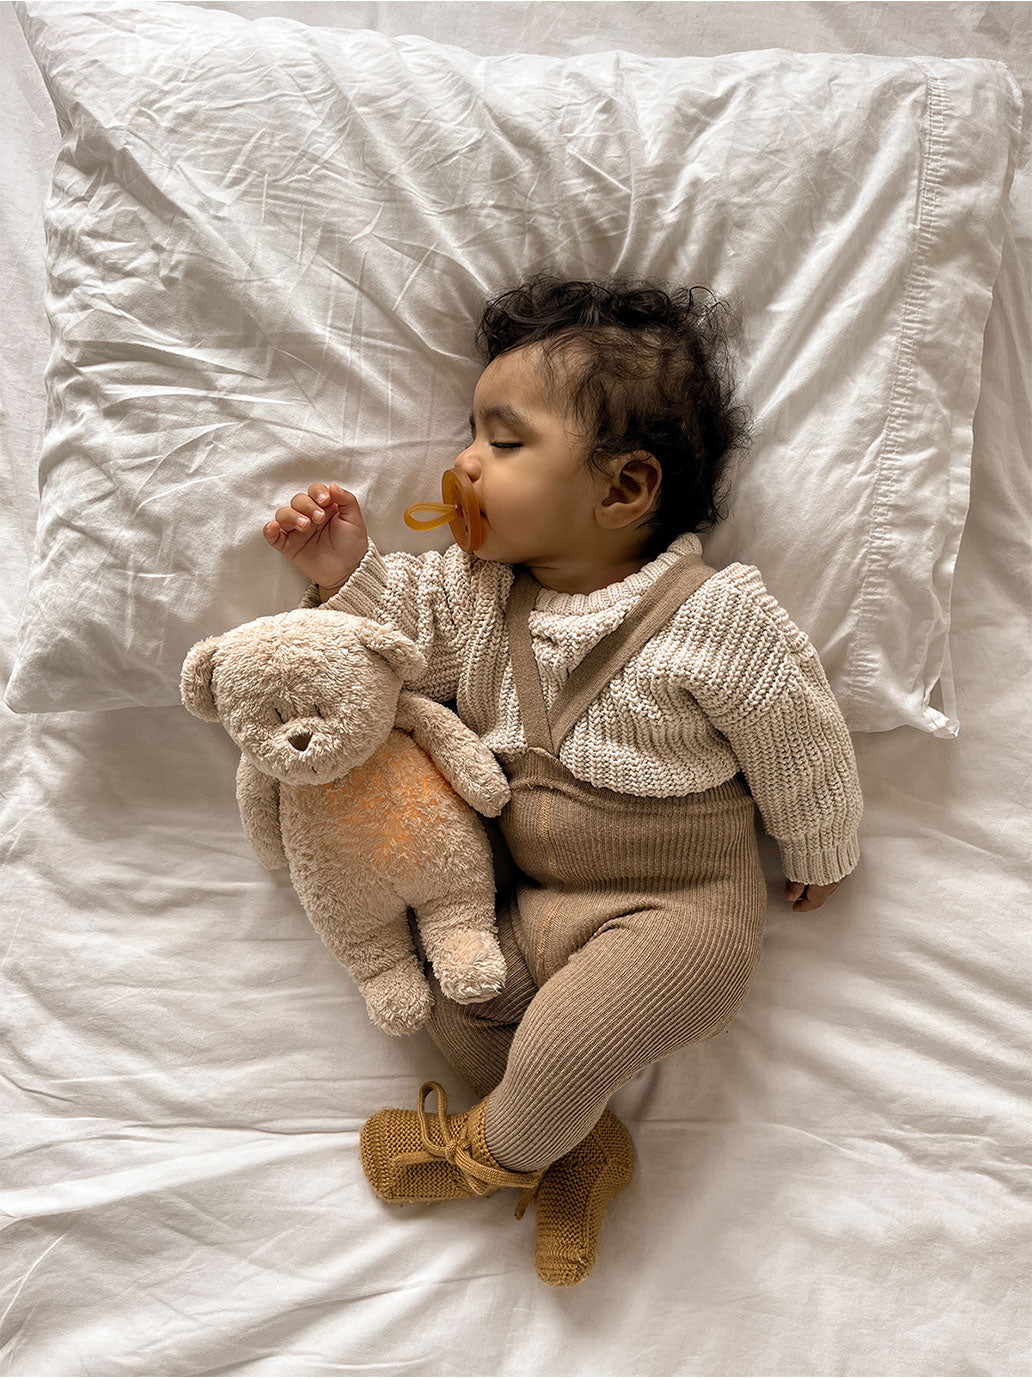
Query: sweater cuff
column 820, row 860
column 360, row 594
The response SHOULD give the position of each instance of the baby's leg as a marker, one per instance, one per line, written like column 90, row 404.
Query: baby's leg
column 475, row 1039
column 646, row 984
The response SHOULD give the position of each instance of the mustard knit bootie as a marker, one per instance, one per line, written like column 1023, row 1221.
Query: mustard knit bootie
column 572, row 1199
column 409, row 1158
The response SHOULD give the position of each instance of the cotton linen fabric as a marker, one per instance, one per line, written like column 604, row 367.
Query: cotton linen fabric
column 268, row 245
column 189, row 1069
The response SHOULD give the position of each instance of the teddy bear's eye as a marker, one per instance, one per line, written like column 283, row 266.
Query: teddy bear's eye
column 317, row 711
column 278, row 714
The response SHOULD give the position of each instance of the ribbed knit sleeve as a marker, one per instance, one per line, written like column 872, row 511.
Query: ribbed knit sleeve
column 759, row 680
column 428, row 597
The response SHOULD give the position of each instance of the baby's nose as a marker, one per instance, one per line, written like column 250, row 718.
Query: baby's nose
column 469, row 464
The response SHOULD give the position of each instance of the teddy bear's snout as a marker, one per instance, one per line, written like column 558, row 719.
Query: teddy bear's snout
column 299, row 740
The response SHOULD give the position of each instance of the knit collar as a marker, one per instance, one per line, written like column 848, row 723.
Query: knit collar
column 572, row 604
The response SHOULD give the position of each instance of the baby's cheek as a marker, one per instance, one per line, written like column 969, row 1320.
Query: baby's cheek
column 534, row 513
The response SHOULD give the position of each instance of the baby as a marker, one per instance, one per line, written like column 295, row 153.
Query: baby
column 643, row 706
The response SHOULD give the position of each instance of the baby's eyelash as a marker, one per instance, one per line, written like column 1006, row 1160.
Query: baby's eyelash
column 506, row 445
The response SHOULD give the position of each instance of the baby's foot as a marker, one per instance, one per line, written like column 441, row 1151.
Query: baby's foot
column 572, row 1199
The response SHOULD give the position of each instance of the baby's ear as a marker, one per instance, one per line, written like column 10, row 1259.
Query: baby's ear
column 400, row 652
column 195, row 687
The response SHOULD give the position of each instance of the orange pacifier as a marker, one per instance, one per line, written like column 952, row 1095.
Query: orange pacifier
column 459, row 507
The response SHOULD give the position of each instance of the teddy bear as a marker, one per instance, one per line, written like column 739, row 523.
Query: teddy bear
column 368, row 792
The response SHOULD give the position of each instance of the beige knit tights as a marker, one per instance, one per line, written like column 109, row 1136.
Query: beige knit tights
column 658, row 971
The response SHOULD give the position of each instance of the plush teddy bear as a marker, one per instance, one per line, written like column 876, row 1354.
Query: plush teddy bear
column 354, row 783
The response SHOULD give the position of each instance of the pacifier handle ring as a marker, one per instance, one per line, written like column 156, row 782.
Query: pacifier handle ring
column 437, row 514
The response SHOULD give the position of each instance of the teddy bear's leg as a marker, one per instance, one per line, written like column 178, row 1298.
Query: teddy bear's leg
column 459, row 937
column 398, row 998
column 381, row 960
column 454, row 904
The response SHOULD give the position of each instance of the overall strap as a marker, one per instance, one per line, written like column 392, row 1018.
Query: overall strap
column 522, row 597
column 603, row 662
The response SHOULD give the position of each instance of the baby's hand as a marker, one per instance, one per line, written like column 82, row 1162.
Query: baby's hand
column 807, row 897
column 321, row 532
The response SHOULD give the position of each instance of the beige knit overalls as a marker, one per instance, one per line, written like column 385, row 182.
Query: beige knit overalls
column 632, row 927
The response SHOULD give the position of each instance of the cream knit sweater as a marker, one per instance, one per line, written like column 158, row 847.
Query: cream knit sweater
column 730, row 683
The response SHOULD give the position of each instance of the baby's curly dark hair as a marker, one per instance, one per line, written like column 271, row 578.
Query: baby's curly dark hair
column 647, row 367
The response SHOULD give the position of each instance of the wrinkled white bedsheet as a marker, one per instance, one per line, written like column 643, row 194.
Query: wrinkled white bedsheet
column 840, row 1184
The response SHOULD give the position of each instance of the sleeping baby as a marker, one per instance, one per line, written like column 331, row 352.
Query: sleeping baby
column 643, row 707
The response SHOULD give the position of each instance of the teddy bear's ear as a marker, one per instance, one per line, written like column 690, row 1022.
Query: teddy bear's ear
column 400, row 652
column 195, row 680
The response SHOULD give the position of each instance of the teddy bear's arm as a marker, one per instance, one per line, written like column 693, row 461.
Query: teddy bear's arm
column 459, row 754
column 258, row 800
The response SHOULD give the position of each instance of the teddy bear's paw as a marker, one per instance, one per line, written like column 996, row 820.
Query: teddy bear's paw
column 473, row 968
column 399, row 1002
column 486, row 789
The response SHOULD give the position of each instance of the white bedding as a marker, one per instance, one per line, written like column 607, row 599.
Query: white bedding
column 840, row 1184
column 265, row 266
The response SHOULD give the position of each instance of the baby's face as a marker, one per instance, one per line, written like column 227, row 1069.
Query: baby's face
column 528, row 468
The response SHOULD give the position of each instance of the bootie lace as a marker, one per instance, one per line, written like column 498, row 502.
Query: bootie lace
column 481, row 1178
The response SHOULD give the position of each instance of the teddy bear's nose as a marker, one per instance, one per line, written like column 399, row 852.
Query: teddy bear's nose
column 299, row 739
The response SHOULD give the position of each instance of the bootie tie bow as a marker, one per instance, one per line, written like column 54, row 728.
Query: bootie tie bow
column 407, row 1163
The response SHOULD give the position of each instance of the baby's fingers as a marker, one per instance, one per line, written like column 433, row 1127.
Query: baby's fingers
column 805, row 898
column 289, row 534
column 308, row 513
column 296, row 516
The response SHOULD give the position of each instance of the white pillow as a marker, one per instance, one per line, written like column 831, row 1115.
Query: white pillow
column 269, row 245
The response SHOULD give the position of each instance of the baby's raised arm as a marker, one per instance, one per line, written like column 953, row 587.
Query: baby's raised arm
column 428, row 597
column 322, row 533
